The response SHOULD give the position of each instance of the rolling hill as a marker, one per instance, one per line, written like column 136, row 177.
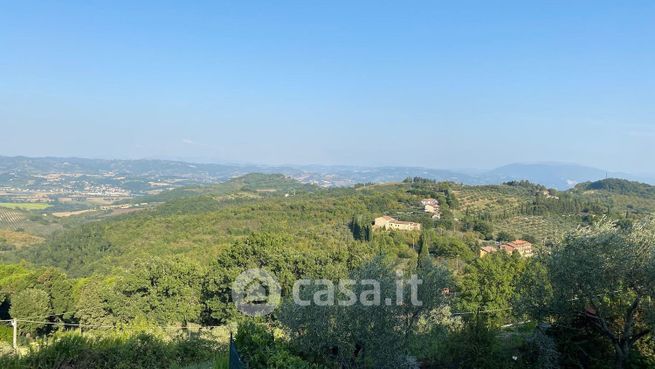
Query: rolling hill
column 199, row 222
column 138, row 176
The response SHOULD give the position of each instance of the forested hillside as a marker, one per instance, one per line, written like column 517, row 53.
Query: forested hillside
column 170, row 267
column 200, row 222
column 619, row 186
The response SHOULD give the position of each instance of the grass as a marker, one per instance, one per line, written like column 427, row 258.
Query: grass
column 72, row 351
column 220, row 362
column 19, row 239
column 24, row 205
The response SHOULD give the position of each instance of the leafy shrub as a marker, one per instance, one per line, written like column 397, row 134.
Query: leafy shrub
column 258, row 348
column 474, row 347
column 138, row 352
column 193, row 350
column 6, row 333
column 504, row 236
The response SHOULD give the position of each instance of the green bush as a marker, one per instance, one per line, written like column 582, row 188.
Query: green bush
column 193, row 350
column 476, row 346
column 259, row 349
column 6, row 333
column 138, row 352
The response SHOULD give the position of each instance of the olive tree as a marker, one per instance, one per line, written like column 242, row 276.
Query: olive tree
column 373, row 330
column 604, row 276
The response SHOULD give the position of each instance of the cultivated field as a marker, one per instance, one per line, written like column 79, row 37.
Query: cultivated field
column 11, row 218
column 541, row 227
column 20, row 220
column 493, row 200
column 24, row 205
column 19, row 239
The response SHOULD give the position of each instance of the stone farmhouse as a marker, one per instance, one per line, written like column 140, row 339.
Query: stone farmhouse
column 524, row 248
column 388, row 223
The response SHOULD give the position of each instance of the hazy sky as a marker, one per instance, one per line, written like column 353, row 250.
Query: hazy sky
column 442, row 84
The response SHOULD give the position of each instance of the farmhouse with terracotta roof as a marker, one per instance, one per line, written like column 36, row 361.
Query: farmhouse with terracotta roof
column 486, row 250
column 524, row 248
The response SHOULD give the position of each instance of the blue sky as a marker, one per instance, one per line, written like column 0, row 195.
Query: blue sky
column 454, row 84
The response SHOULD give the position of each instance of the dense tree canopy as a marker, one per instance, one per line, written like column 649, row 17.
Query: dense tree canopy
column 33, row 305
column 353, row 335
column 602, row 276
column 584, row 301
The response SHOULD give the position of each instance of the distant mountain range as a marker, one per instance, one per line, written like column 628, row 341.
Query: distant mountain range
column 24, row 170
column 553, row 175
column 557, row 175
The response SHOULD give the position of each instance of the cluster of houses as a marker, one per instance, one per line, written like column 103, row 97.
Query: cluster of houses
column 431, row 206
column 389, row 223
column 524, row 248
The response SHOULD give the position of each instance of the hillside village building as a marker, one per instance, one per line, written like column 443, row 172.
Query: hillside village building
column 486, row 250
column 524, row 248
column 431, row 206
column 389, row 223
